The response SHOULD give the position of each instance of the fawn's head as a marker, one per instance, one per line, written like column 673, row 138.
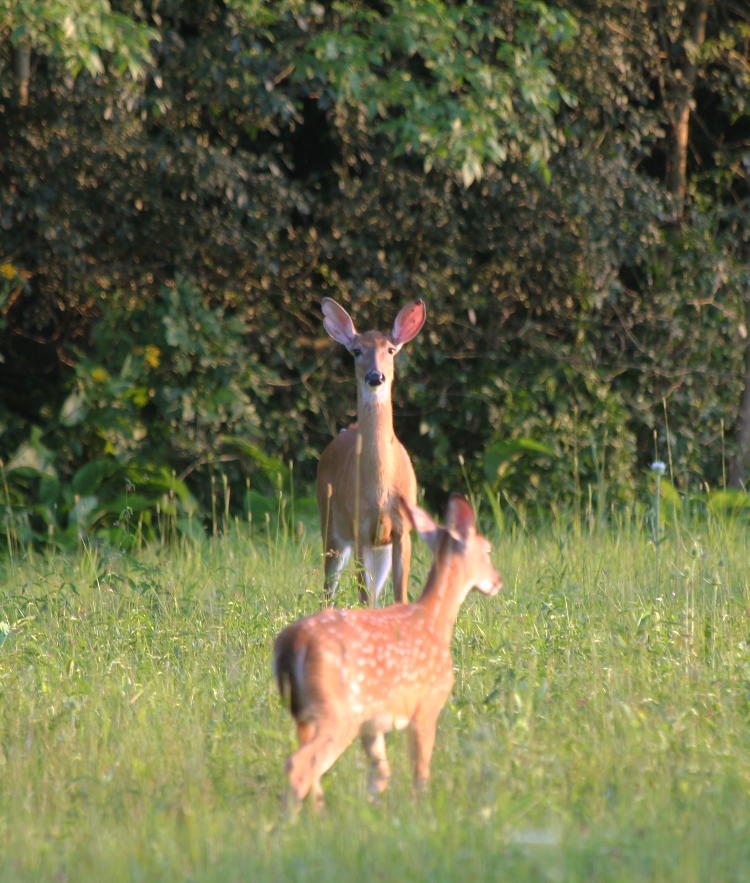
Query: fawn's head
column 458, row 545
column 373, row 351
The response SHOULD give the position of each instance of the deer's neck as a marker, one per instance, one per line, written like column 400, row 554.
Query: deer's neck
column 442, row 597
column 375, row 425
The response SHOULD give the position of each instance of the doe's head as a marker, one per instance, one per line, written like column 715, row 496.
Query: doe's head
column 373, row 351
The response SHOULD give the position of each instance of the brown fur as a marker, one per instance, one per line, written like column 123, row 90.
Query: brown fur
column 365, row 470
column 349, row 672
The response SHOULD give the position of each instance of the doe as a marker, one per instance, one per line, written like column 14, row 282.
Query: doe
column 364, row 672
column 365, row 469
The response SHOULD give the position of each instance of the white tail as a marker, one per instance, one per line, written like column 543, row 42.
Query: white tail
column 364, row 471
column 350, row 672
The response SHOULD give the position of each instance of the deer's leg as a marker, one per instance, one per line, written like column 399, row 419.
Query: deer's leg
column 380, row 771
column 423, row 730
column 292, row 801
column 401, row 564
column 336, row 556
column 377, row 566
column 324, row 742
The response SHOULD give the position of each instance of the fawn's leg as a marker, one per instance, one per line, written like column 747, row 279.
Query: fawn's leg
column 324, row 742
column 380, row 771
column 292, row 799
column 423, row 731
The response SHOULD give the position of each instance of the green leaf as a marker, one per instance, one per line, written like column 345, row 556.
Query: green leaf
column 74, row 409
column 32, row 454
column 90, row 476
column 49, row 490
column 81, row 510
column 728, row 500
column 272, row 466
column 499, row 456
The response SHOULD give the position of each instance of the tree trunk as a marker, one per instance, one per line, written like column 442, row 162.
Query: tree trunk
column 739, row 463
column 23, row 74
column 682, row 104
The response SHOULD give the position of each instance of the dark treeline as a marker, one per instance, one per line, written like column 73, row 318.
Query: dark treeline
column 182, row 182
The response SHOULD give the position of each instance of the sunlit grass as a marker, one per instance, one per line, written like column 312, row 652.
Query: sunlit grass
column 599, row 727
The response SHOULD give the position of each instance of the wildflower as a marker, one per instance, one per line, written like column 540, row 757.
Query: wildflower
column 658, row 467
column 8, row 271
column 152, row 355
column 99, row 374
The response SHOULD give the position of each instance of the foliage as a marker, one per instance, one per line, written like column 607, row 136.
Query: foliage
column 82, row 35
column 163, row 393
column 504, row 161
column 416, row 73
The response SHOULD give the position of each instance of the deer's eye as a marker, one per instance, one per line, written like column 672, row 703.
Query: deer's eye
column 391, row 350
column 356, row 352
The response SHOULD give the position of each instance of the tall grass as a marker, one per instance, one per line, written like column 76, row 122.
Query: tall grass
column 599, row 727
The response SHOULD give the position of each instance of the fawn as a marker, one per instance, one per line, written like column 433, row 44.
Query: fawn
column 364, row 672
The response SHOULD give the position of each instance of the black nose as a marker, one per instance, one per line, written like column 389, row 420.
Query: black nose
column 374, row 378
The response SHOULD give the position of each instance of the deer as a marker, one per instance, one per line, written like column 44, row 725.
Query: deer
column 365, row 671
column 364, row 471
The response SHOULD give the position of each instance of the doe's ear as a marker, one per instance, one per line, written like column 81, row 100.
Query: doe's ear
column 408, row 322
column 337, row 322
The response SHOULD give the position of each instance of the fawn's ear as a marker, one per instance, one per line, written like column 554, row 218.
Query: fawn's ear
column 408, row 322
column 459, row 517
column 429, row 530
column 337, row 322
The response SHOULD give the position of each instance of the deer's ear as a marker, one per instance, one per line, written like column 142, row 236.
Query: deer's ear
column 408, row 322
column 460, row 517
column 429, row 530
column 337, row 322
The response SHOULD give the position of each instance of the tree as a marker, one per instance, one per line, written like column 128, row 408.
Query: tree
column 682, row 34
column 506, row 161
column 81, row 35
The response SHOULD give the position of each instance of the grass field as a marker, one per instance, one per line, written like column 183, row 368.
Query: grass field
column 599, row 727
